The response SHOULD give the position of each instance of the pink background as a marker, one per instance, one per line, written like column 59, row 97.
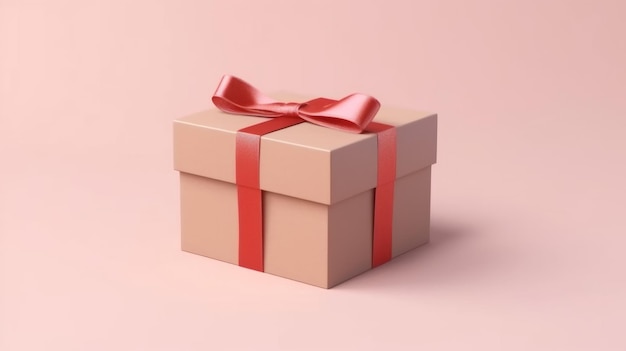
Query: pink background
column 528, row 195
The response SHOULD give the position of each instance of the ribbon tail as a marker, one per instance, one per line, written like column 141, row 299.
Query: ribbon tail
column 234, row 95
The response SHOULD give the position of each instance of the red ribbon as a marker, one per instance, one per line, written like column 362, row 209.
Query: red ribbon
column 354, row 113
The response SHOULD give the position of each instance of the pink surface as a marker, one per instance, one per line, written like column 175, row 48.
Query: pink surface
column 528, row 195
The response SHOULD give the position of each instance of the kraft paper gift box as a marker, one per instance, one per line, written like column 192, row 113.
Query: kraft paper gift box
column 318, row 192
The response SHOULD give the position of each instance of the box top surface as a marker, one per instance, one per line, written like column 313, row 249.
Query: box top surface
column 306, row 161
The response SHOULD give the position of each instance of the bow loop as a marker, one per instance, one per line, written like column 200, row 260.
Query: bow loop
column 234, row 95
column 353, row 113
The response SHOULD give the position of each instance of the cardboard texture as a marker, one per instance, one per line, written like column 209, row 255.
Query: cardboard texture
column 318, row 194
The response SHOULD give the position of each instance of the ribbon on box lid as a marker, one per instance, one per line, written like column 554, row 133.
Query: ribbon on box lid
column 354, row 113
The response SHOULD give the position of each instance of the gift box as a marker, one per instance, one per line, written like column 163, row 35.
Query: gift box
column 319, row 195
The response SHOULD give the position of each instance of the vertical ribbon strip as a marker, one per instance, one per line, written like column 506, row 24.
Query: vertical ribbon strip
column 249, row 195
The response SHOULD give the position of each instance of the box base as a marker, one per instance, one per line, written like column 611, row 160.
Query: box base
column 317, row 244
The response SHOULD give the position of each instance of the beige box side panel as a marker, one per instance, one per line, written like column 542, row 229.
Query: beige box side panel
column 411, row 217
column 296, row 239
column 350, row 237
column 209, row 222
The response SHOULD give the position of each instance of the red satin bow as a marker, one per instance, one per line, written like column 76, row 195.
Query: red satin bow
column 352, row 113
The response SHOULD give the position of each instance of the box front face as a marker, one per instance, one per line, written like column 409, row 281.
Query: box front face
column 209, row 222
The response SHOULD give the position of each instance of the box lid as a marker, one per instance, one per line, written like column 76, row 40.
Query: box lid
column 305, row 161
